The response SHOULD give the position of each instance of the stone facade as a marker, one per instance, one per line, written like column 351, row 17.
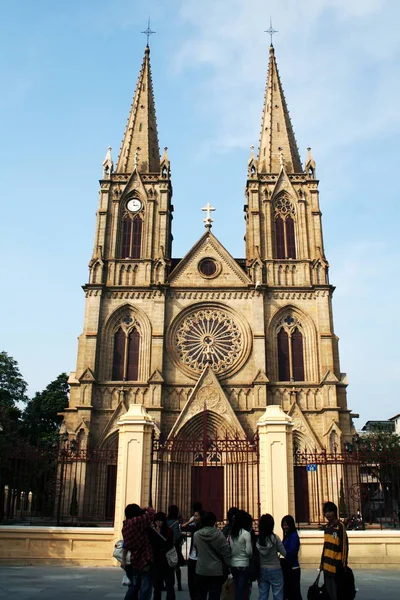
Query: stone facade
column 209, row 310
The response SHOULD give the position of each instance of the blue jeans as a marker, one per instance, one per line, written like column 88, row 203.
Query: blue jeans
column 270, row 578
column 139, row 578
column 241, row 579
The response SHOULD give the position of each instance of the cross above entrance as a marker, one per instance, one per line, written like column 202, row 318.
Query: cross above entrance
column 208, row 220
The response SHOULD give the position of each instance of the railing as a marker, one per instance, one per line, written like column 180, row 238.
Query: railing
column 365, row 485
column 57, row 486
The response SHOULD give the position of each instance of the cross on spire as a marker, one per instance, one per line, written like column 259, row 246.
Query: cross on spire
column 148, row 32
column 271, row 30
column 208, row 220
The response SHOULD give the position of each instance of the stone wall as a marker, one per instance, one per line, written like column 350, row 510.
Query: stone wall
column 86, row 546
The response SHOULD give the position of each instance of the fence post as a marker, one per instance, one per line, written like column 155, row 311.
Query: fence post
column 276, row 463
column 134, row 460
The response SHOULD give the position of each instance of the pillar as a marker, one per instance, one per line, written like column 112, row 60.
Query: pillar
column 134, row 461
column 276, row 464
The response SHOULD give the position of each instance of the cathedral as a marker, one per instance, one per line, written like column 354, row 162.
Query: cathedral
column 205, row 343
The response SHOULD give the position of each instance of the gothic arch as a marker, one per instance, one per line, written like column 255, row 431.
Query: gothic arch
column 310, row 345
column 107, row 341
column 285, row 230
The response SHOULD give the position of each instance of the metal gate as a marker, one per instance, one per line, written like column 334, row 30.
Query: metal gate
column 218, row 472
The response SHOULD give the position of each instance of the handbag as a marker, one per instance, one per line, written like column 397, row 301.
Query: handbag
column 317, row 592
column 228, row 591
column 118, row 551
column 172, row 557
column 346, row 584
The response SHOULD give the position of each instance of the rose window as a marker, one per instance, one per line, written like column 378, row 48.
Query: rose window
column 283, row 206
column 210, row 336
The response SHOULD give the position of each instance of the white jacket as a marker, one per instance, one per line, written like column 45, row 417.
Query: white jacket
column 241, row 550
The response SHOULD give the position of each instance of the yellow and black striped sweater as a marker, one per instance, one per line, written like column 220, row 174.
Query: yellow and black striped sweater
column 336, row 548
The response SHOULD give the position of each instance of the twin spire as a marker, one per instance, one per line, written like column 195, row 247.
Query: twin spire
column 278, row 147
column 140, row 147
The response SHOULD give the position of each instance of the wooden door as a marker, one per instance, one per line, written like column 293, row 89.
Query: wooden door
column 301, row 494
column 208, row 488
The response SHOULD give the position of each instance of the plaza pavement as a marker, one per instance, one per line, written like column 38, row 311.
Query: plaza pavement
column 79, row 583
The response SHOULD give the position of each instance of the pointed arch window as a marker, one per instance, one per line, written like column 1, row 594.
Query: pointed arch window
column 285, row 240
column 126, row 351
column 131, row 243
column 290, row 350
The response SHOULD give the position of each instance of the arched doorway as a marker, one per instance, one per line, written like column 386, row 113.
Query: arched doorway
column 206, row 461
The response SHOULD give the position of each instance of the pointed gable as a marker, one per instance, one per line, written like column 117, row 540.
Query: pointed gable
column 227, row 271
column 302, row 429
column 208, row 395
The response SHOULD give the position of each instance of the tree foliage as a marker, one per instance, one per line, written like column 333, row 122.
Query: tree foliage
column 12, row 385
column 40, row 419
column 376, row 441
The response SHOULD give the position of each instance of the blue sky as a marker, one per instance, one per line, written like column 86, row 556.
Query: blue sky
column 68, row 75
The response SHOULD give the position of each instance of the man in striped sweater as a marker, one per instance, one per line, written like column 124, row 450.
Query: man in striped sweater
column 335, row 551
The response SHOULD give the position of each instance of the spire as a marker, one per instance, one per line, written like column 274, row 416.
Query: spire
column 140, row 144
column 277, row 138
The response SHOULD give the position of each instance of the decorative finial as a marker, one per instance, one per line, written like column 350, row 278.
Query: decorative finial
column 108, row 164
column 208, row 220
column 148, row 32
column 271, row 30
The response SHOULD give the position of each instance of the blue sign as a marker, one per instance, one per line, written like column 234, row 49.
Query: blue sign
column 311, row 467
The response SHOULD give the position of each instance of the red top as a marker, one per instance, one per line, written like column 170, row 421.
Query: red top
column 136, row 539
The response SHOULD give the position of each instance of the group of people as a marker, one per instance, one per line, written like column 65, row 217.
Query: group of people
column 215, row 554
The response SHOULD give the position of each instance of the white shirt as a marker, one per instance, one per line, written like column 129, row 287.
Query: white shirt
column 241, row 549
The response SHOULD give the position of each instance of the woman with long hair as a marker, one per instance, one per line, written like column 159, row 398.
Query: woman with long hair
column 162, row 540
column 191, row 526
column 241, row 552
column 269, row 546
column 290, row 564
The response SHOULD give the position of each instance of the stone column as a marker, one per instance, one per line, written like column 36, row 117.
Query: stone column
column 276, row 464
column 134, row 461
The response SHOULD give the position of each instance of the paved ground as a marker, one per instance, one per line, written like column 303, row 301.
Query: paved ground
column 73, row 583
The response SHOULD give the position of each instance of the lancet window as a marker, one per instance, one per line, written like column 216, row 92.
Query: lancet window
column 285, row 240
column 131, row 242
column 290, row 350
column 125, row 365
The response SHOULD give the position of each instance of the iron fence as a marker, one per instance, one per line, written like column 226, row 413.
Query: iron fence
column 53, row 485
column 365, row 485
column 217, row 472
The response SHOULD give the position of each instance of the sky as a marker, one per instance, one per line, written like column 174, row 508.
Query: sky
column 68, row 73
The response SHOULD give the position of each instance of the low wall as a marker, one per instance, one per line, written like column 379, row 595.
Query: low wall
column 86, row 546
column 370, row 549
column 81, row 546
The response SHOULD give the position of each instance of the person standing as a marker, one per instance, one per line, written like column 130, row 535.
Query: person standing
column 230, row 516
column 136, row 541
column 241, row 552
column 213, row 558
column 268, row 546
column 192, row 526
column 290, row 564
column 173, row 523
column 335, row 550
column 162, row 540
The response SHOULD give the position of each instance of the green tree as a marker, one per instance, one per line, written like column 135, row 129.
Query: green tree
column 12, row 385
column 40, row 419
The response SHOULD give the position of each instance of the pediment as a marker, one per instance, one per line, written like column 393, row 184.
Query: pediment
column 228, row 273
column 156, row 377
column 121, row 408
column 260, row 378
column 87, row 376
column 303, row 429
column 329, row 377
column 209, row 395
column 283, row 184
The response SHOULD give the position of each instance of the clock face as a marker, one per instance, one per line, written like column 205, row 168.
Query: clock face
column 134, row 205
